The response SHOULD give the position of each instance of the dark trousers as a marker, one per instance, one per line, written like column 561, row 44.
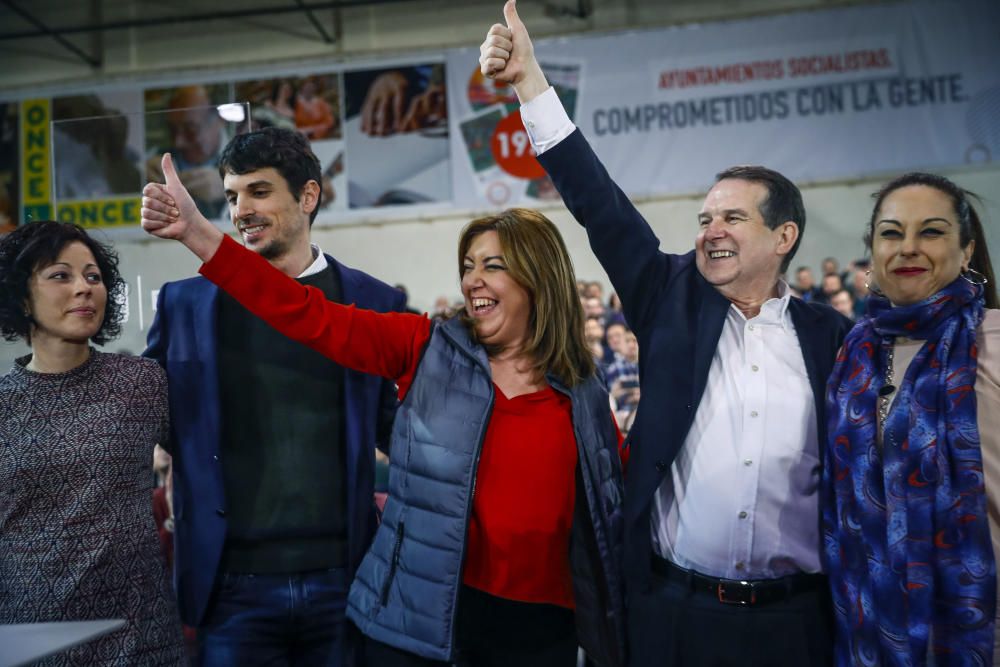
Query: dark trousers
column 264, row 619
column 493, row 632
column 671, row 625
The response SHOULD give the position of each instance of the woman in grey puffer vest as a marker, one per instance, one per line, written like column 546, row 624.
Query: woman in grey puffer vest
column 501, row 538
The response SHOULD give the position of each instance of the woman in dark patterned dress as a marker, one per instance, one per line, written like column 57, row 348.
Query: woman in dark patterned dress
column 77, row 430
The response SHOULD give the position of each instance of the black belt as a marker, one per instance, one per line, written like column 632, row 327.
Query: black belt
column 740, row 592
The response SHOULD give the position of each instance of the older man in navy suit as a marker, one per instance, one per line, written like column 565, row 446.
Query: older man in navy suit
column 722, row 536
column 273, row 444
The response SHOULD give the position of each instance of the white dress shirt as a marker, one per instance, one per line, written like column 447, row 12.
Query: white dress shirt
column 742, row 497
column 319, row 262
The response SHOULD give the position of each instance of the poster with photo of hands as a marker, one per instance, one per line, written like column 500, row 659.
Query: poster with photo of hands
column 396, row 136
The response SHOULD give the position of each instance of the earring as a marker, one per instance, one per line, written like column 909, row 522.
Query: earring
column 872, row 288
column 974, row 277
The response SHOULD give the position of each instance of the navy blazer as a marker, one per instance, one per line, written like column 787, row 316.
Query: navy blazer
column 182, row 339
column 677, row 317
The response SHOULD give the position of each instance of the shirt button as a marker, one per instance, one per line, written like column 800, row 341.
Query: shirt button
column 215, row 457
column 531, row 123
column 220, row 512
column 661, row 465
column 754, row 368
column 753, row 414
column 740, row 566
column 743, row 515
column 747, row 462
column 750, row 327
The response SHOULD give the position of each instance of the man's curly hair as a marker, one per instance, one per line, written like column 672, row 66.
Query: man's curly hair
column 36, row 244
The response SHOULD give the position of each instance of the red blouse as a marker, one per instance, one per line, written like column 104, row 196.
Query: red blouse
column 522, row 511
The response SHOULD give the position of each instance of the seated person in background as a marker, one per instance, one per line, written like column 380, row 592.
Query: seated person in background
column 859, row 287
column 805, row 284
column 613, row 313
column 831, row 284
column 622, row 377
column 843, row 303
column 593, row 334
column 592, row 307
column 594, row 289
column 614, row 337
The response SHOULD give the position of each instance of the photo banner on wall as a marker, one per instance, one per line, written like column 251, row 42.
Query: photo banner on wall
column 396, row 136
column 819, row 96
column 101, row 163
column 312, row 105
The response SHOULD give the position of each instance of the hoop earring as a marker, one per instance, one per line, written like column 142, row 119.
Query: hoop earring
column 868, row 286
column 975, row 277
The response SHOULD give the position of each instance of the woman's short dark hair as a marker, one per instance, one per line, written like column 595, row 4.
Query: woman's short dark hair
column 970, row 228
column 37, row 244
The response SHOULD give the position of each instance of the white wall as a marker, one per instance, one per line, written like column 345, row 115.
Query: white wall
column 422, row 253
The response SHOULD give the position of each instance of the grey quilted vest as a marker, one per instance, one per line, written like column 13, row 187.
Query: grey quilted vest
column 406, row 590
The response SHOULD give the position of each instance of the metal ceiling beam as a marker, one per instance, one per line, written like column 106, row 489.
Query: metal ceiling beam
column 312, row 19
column 43, row 31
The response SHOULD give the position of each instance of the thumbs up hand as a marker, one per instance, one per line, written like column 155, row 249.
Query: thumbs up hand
column 507, row 55
column 169, row 212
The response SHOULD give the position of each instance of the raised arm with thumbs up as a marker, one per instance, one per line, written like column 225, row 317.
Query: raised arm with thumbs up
column 507, row 55
column 169, row 212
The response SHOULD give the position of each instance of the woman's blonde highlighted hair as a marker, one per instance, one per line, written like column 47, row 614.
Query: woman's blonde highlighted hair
column 537, row 259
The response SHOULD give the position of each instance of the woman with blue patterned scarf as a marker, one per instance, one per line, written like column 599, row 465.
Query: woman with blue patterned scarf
column 912, row 469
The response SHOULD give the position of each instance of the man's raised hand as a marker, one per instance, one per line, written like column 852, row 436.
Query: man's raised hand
column 169, row 212
column 507, row 55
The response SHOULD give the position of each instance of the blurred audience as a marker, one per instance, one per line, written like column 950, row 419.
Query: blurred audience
column 593, row 334
column 623, row 381
column 593, row 307
column 805, row 283
column 859, row 289
column 832, row 283
column 843, row 303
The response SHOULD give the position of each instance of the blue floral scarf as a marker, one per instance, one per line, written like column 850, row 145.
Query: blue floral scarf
column 906, row 538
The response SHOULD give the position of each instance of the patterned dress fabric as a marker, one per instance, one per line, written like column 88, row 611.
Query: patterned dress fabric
column 77, row 536
column 907, row 539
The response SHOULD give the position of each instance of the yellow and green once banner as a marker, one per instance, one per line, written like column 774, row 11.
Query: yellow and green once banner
column 36, row 173
column 36, row 182
column 120, row 212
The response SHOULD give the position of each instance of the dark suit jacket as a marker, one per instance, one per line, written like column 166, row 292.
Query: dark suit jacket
column 183, row 340
column 678, row 318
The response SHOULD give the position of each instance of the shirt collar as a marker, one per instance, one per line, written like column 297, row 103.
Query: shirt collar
column 319, row 263
column 772, row 311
